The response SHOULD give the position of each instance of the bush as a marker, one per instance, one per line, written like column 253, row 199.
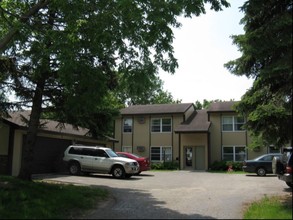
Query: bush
column 219, row 166
column 170, row 165
column 224, row 165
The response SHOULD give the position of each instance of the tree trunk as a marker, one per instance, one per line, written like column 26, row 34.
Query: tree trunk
column 29, row 145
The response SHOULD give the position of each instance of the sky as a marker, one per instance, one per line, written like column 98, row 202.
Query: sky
column 202, row 46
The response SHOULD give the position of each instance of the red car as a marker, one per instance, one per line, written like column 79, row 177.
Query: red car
column 144, row 162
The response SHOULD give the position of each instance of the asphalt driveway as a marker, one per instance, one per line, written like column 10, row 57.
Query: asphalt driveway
column 177, row 194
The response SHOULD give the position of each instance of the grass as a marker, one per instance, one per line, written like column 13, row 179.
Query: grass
column 39, row 200
column 270, row 208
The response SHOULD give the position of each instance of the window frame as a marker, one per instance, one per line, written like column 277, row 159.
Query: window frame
column 160, row 126
column 169, row 154
column 129, row 130
column 127, row 149
column 234, row 153
column 234, row 124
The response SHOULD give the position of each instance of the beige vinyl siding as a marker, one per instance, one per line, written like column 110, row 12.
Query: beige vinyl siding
column 234, row 138
column 215, row 137
column 141, row 134
column 188, row 112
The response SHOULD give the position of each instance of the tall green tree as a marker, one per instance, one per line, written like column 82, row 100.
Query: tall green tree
column 136, row 91
column 67, row 54
column 266, row 48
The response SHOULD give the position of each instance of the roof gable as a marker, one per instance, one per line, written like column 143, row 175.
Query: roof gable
column 198, row 122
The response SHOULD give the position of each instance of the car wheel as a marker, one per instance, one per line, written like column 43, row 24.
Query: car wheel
column 289, row 184
column 118, row 172
column 74, row 168
column 261, row 171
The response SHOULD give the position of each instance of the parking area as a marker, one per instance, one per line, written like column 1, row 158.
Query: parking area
column 177, row 194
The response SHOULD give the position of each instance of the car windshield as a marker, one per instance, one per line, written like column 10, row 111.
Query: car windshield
column 111, row 153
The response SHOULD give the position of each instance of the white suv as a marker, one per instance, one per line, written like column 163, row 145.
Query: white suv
column 94, row 159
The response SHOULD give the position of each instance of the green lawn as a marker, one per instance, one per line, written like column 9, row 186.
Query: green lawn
column 39, row 200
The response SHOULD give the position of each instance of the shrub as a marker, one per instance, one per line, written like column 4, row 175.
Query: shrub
column 224, row 165
column 170, row 165
column 219, row 166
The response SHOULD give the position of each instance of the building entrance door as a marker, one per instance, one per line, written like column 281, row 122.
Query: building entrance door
column 194, row 158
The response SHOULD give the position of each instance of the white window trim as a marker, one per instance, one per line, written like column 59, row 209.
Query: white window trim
column 128, row 147
column 161, row 125
column 234, row 146
column 124, row 125
column 233, row 123
column 161, row 153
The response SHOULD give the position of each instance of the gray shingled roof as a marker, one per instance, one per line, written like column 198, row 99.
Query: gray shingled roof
column 156, row 109
column 20, row 118
column 222, row 107
column 198, row 122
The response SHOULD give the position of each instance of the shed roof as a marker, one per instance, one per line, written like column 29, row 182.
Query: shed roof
column 156, row 109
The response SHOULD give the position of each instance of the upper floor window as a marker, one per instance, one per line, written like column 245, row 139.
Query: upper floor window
column 232, row 123
column 161, row 125
column 127, row 125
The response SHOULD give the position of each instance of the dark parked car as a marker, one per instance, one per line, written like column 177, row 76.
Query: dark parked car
column 144, row 162
column 283, row 165
column 261, row 165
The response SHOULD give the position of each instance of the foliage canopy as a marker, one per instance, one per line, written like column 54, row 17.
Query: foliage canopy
column 266, row 50
column 70, row 57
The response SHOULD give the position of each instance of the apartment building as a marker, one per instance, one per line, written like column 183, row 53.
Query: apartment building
column 180, row 132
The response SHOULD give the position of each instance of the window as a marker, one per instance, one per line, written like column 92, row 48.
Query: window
column 234, row 153
column 232, row 123
column 161, row 153
column 273, row 149
column 127, row 149
column 127, row 125
column 161, row 125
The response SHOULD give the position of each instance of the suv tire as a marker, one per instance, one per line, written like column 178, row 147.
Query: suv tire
column 118, row 172
column 74, row 168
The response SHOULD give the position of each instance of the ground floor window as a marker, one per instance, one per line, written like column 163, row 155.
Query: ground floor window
column 273, row 149
column 233, row 153
column 127, row 149
column 161, row 153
